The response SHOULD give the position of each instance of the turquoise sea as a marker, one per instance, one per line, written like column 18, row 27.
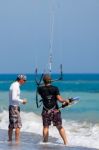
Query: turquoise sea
column 81, row 121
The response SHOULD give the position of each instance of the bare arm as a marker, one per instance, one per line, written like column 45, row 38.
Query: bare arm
column 60, row 99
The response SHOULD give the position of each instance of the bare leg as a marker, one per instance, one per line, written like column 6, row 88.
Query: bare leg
column 45, row 134
column 62, row 134
column 10, row 132
column 17, row 135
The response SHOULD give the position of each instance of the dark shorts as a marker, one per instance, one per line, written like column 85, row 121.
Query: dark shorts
column 14, row 117
column 54, row 117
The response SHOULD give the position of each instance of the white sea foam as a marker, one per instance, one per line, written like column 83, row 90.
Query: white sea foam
column 79, row 133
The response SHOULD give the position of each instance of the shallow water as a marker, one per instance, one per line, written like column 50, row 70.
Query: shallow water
column 33, row 141
column 81, row 121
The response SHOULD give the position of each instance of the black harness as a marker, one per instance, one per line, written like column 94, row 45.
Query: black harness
column 39, row 83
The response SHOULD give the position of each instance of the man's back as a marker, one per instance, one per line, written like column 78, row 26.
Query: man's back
column 49, row 96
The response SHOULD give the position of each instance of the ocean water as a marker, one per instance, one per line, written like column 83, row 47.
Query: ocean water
column 81, row 120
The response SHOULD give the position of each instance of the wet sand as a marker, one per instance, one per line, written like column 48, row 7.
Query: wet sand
column 34, row 141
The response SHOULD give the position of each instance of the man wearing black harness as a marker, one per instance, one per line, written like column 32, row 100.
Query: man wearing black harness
column 50, row 113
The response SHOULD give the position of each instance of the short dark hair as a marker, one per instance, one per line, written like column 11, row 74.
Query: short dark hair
column 47, row 78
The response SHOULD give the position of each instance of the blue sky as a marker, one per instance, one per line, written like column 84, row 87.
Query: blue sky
column 26, row 35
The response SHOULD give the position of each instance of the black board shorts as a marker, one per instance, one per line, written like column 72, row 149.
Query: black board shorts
column 14, row 117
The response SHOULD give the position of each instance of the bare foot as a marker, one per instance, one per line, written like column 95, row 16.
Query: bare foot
column 17, row 142
column 10, row 141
